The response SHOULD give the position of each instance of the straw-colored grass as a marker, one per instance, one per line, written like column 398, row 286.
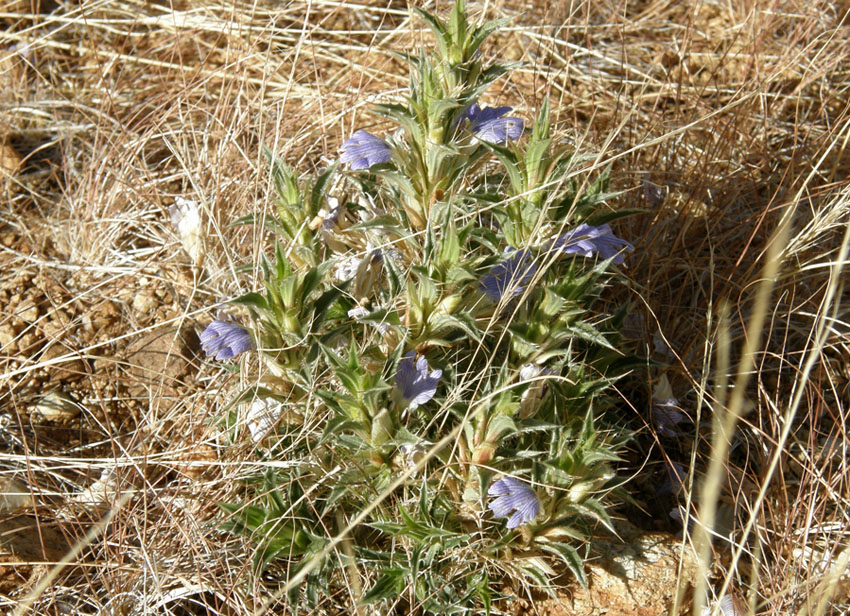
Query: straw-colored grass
column 726, row 123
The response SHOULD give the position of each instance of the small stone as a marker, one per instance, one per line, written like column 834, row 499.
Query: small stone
column 99, row 493
column 28, row 340
column 8, row 336
column 69, row 369
column 14, row 495
column 57, row 406
column 56, row 324
column 10, row 161
column 159, row 360
column 103, row 366
column 29, row 312
column 103, row 319
column 145, row 302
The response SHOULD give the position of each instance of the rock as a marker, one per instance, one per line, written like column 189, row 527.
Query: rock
column 29, row 312
column 56, row 324
column 10, row 160
column 145, row 302
column 159, row 361
column 8, row 336
column 14, row 495
column 70, row 369
column 58, row 406
column 196, row 461
column 101, row 493
column 638, row 576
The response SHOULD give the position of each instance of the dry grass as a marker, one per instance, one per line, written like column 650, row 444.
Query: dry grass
column 721, row 120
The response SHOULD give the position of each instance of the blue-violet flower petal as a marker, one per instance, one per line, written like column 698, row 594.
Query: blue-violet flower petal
column 488, row 124
column 414, row 380
column 225, row 340
column 364, row 149
column 510, row 276
column 514, row 497
column 585, row 240
column 666, row 416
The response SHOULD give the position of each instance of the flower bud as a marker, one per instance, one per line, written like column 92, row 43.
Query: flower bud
column 484, row 454
column 290, row 321
column 382, row 428
column 449, row 304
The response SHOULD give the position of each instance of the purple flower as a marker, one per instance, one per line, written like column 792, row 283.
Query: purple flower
column 585, row 240
column 666, row 416
column 515, row 497
column 414, row 381
column 510, row 276
column 364, row 149
column 225, row 340
column 488, row 124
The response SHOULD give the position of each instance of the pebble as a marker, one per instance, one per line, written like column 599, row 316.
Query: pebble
column 29, row 313
column 8, row 334
column 145, row 302
column 14, row 495
column 57, row 406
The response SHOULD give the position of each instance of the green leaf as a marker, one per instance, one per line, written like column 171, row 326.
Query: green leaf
column 384, row 223
column 482, row 32
column 449, row 248
column 439, row 30
column 511, row 165
column 499, row 427
column 535, row 162
column 457, row 23
column 389, row 585
column 541, row 126
column 592, row 508
column 319, row 188
column 569, row 556
column 260, row 220
column 253, row 300
column 587, row 332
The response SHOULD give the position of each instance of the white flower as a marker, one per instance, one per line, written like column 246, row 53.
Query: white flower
column 262, row 416
column 346, row 268
column 529, row 372
column 186, row 218
column 726, row 605
column 531, row 397
column 358, row 312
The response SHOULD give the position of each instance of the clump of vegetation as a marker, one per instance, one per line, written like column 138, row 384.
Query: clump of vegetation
column 436, row 368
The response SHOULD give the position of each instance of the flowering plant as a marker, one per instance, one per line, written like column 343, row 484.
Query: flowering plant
column 427, row 320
